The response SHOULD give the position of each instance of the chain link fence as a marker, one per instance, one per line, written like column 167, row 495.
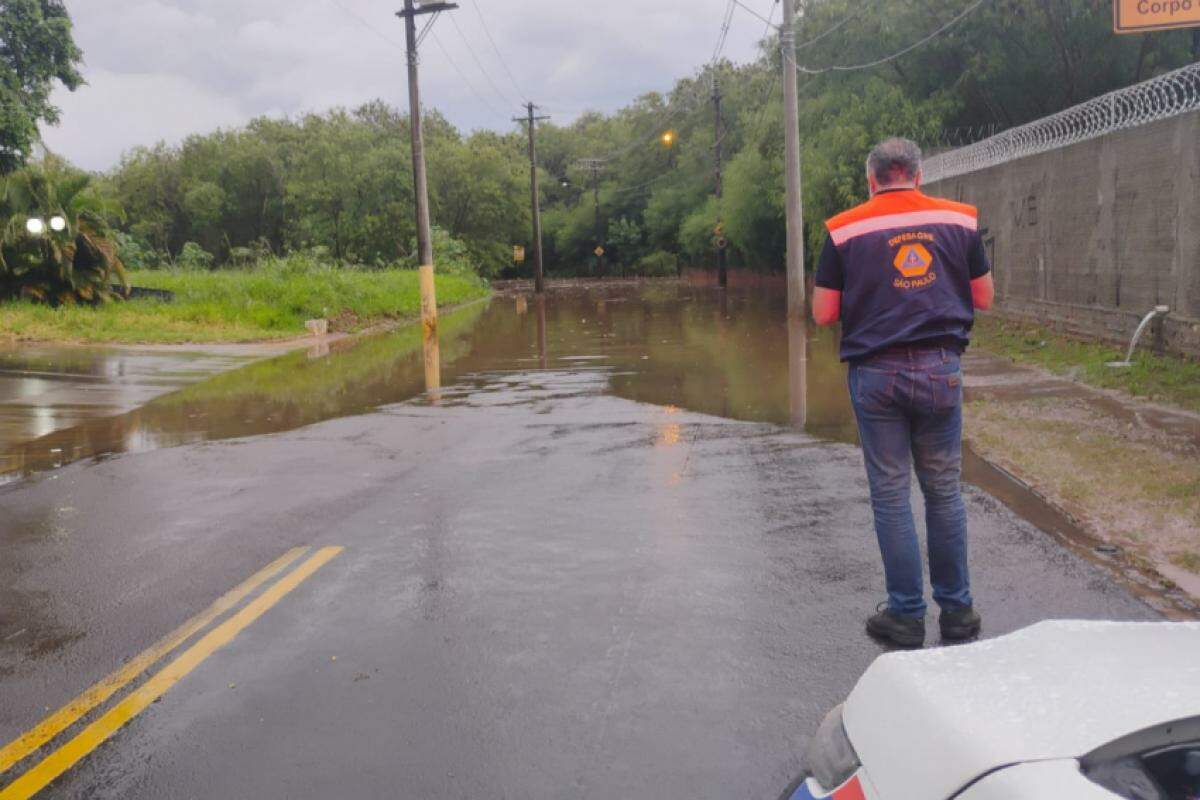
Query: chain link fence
column 1165, row 96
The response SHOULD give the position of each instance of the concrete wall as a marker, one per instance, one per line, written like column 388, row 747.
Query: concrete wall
column 1092, row 236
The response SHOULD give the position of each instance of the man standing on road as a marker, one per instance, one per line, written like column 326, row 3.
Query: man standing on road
column 904, row 273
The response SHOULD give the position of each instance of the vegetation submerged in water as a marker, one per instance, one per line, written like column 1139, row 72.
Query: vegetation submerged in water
column 271, row 302
column 1168, row 379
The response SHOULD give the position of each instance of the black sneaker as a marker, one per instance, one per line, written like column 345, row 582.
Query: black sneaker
column 960, row 623
column 896, row 628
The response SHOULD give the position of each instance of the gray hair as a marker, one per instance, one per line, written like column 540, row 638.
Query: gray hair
column 894, row 161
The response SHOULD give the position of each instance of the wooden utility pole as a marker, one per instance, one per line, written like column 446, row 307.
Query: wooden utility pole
column 539, row 284
column 420, row 184
column 594, row 166
column 718, row 135
column 791, row 136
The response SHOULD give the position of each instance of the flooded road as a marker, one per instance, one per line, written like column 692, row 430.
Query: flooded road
column 611, row 545
column 729, row 354
column 44, row 389
column 668, row 344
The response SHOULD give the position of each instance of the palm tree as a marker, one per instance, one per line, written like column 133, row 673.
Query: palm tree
column 73, row 260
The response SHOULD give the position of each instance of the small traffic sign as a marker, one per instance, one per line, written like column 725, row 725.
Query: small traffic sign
column 1138, row 16
column 599, row 251
column 518, row 254
column 721, row 242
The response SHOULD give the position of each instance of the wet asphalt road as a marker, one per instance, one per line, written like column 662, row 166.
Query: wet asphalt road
column 546, row 591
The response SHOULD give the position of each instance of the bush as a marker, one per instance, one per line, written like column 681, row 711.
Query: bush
column 659, row 264
column 136, row 254
column 193, row 258
column 258, row 250
column 451, row 256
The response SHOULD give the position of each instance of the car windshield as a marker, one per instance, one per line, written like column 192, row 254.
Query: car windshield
column 1176, row 770
column 1157, row 772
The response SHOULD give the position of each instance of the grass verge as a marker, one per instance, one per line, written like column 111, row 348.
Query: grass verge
column 1129, row 485
column 1167, row 379
column 227, row 306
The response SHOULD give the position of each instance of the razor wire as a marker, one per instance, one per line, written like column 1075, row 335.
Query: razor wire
column 1166, row 96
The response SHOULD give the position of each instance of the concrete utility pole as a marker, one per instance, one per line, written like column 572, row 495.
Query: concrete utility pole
column 539, row 284
column 791, row 137
column 594, row 166
column 420, row 184
column 718, row 135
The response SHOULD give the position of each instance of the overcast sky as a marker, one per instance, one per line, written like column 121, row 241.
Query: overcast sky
column 161, row 69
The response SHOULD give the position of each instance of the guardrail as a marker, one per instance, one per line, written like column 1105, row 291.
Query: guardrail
column 1158, row 98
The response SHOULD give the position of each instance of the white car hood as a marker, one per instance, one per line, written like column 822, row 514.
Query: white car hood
column 928, row 722
column 1043, row 780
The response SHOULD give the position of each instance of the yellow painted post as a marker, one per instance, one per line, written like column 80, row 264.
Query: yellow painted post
column 428, row 300
column 433, row 366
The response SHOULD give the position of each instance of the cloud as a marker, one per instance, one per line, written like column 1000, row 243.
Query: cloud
column 162, row 69
column 118, row 111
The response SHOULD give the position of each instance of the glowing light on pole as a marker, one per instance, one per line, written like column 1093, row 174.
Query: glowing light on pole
column 35, row 226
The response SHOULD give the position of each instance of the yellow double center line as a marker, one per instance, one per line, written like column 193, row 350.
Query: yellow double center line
column 133, row 704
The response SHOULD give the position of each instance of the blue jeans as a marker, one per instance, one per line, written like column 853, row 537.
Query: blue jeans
column 908, row 402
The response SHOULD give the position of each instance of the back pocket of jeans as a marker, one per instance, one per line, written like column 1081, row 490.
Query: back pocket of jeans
column 873, row 389
column 946, row 391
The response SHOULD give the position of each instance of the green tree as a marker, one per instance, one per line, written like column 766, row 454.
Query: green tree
column 627, row 242
column 71, row 254
column 340, row 182
column 754, row 209
column 36, row 49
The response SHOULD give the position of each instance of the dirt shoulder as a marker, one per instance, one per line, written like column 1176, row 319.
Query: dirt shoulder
column 1126, row 470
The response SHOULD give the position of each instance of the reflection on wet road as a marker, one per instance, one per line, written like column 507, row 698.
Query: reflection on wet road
column 44, row 389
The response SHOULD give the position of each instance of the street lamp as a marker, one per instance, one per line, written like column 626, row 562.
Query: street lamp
column 668, row 138
column 58, row 223
column 35, row 225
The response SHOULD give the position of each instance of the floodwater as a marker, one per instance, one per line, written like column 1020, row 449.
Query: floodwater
column 46, row 389
column 696, row 348
column 675, row 344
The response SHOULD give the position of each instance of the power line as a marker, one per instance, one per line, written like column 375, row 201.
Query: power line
column 770, row 19
column 671, row 174
column 373, row 29
column 463, row 75
column 753, row 12
column 487, row 31
column 766, row 103
column 837, row 27
column 724, row 34
column 854, row 67
column 474, row 57
column 726, row 22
